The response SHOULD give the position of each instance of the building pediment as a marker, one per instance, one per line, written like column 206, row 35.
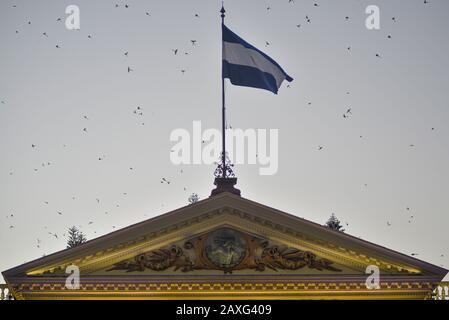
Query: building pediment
column 220, row 239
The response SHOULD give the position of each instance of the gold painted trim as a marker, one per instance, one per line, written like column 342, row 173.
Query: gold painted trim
column 228, row 291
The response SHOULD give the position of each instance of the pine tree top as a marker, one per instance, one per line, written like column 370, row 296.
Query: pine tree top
column 76, row 237
column 334, row 224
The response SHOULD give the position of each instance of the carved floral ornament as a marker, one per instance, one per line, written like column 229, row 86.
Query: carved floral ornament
column 227, row 250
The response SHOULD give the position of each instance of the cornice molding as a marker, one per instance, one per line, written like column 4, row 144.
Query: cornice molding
column 353, row 290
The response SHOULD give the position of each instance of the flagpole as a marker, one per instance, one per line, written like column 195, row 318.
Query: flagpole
column 224, row 176
column 223, row 110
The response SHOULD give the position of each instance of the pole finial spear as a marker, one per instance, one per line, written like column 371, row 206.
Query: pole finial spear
column 223, row 11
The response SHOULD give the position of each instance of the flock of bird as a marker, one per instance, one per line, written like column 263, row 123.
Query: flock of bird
column 139, row 112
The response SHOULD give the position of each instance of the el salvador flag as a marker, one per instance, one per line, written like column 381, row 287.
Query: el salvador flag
column 245, row 65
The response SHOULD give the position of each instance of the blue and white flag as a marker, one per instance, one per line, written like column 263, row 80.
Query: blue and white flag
column 245, row 65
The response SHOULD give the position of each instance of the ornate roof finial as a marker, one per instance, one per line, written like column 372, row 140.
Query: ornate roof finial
column 225, row 179
column 224, row 169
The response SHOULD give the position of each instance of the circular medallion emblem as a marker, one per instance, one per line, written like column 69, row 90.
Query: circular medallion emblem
column 225, row 248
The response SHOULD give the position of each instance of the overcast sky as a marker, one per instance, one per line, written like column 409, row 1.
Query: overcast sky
column 390, row 154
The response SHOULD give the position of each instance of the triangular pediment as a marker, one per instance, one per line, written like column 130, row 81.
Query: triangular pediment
column 226, row 235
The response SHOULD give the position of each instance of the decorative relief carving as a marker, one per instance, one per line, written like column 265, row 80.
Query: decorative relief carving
column 227, row 250
column 157, row 260
column 275, row 257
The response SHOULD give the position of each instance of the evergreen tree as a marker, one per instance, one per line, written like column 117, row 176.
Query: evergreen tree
column 334, row 224
column 193, row 198
column 76, row 237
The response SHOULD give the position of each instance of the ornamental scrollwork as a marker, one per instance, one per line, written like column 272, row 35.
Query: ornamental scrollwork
column 227, row 250
column 285, row 258
column 157, row 260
